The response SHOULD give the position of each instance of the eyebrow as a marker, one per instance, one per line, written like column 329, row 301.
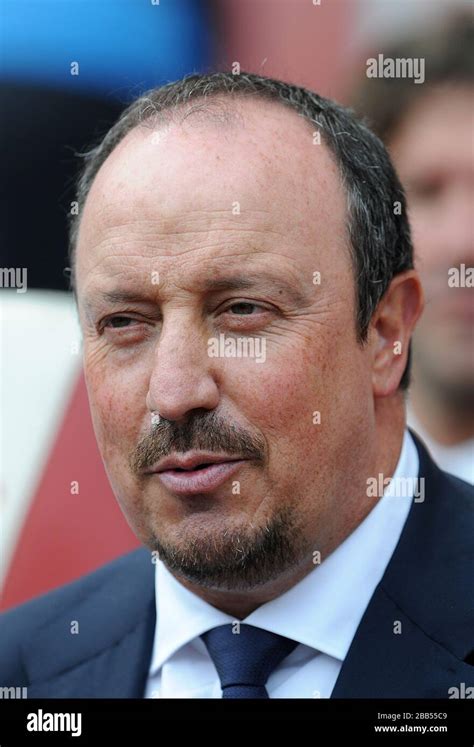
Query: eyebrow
column 91, row 302
column 240, row 282
column 213, row 285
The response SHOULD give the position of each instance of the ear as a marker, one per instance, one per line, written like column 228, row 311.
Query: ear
column 391, row 329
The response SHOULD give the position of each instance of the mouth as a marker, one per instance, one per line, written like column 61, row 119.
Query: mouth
column 200, row 478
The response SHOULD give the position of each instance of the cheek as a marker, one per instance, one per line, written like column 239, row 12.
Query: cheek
column 117, row 396
column 296, row 390
column 280, row 397
column 302, row 402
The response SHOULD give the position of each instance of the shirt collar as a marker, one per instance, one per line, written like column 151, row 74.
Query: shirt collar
column 324, row 609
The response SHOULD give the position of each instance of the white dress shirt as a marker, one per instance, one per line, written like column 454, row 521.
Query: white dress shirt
column 321, row 612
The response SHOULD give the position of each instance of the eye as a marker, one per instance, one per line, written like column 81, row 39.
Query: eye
column 118, row 322
column 243, row 308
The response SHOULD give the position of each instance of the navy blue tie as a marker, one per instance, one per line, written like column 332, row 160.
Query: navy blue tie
column 245, row 659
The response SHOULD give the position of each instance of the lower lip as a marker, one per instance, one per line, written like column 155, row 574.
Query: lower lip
column 198, row 480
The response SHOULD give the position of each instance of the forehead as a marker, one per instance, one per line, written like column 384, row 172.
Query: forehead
column 256, row 182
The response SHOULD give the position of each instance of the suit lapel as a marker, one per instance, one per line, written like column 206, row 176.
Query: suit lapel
column 109, row 655
column 391, row 657
column 415, row 637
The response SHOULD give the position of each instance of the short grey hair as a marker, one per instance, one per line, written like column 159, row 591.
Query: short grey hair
column 377, row 223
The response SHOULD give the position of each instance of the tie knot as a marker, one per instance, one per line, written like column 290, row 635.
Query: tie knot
column 245, row 656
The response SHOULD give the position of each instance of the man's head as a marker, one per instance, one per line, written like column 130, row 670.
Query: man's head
column 428, row 130
column 214, row 221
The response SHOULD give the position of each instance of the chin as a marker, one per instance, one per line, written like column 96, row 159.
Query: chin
column 237, row 557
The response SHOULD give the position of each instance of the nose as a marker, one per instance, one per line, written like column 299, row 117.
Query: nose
column 183, row 376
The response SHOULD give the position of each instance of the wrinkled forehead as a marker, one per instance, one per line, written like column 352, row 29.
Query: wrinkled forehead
column 259, row 178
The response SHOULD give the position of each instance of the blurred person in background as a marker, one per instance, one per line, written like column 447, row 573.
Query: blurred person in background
column 428, row 129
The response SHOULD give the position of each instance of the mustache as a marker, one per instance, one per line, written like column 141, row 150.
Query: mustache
column 204, row 431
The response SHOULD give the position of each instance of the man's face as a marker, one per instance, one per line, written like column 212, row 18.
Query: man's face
column 434, row 155
column 181, row 219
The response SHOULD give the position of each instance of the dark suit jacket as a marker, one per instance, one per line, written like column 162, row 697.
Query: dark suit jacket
column 427, row 587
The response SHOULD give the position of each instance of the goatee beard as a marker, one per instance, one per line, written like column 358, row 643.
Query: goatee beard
column 238, row 559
